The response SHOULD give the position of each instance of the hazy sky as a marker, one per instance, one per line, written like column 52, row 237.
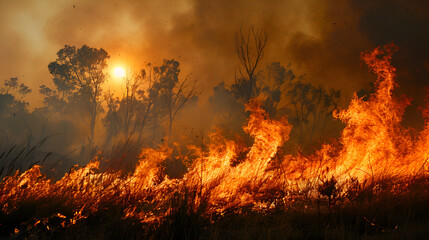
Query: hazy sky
column 321, row 39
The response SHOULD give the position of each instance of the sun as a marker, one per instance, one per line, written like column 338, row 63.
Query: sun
column 119, row 72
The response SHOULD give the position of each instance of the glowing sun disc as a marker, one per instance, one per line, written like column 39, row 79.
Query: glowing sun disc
column 119, row 72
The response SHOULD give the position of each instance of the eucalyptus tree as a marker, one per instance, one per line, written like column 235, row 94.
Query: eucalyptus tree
column 78, row 75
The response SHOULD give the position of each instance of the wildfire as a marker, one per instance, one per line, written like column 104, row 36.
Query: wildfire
column 373, row 146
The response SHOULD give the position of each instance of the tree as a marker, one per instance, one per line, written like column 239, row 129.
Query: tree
column 311, row 108
column 276, row 81
column 307, row 106
column 173, row 93
column 14, row 95
column 78, row 75
column 226, row 107
column 130, row 113
column 250, row 51
column 14, row 108
column 52, row 103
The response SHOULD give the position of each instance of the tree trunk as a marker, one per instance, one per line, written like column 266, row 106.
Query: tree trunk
column 91, row 136
column 170, row 130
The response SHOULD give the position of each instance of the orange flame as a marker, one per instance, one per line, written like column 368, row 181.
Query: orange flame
column 373, row 146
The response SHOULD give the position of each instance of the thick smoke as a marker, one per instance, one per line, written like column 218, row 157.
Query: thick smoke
column 322, row 40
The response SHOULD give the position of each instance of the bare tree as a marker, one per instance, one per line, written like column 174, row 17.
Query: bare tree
column 131, row 113
column 249, row 47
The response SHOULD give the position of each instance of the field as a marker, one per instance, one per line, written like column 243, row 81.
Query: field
column 371, row 184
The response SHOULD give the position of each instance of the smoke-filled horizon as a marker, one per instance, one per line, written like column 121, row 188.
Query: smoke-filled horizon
column 321, row 39
column 320, row 42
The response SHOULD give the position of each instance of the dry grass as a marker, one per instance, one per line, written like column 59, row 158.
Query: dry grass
column 388, row 209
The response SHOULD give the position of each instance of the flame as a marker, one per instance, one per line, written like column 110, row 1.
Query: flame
column 373, row 140
column 373, row 146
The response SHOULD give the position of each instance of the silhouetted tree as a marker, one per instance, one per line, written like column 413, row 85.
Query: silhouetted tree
column 249, row 47
column 130, row 113
column 311, row 108
column 14, row 114
column 78, row 75
column 276, row 81
column 52, row 103
column 307, row 106
column 14, row 96
column 228, row 111
column 173, row 93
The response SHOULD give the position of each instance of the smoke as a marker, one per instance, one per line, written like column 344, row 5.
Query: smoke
column 406, row 24
column 322, row 40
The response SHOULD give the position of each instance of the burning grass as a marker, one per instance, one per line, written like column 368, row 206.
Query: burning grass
column 374, row 181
